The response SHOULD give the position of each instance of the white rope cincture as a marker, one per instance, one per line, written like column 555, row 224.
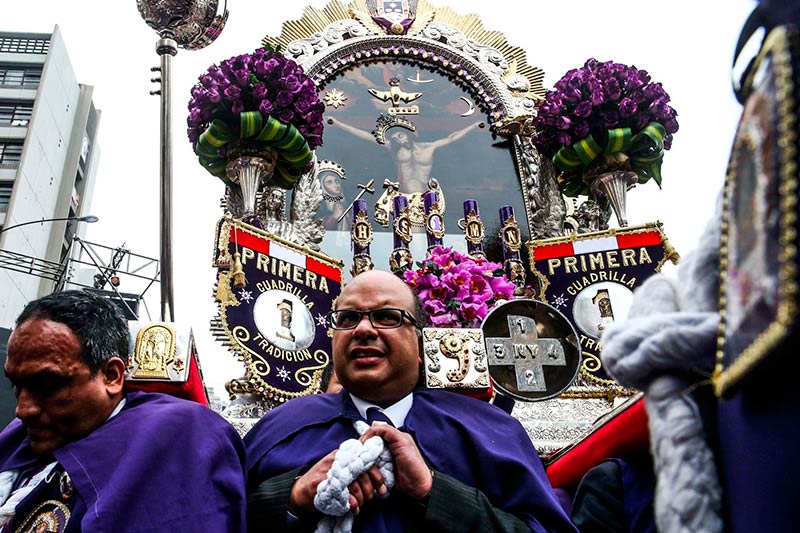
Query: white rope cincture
column 11, row 499
column 351, row 460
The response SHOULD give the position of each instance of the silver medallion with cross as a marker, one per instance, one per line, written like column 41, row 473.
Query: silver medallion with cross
column 526, row 352
column 532, row 350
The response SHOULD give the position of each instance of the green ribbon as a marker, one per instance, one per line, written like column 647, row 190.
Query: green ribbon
column 293, row 150
column 645, row 150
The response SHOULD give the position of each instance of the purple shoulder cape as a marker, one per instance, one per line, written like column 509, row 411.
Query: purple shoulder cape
column 161, row 464
column 470, row 440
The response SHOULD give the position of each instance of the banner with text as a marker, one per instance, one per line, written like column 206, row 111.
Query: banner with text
column 591, row 277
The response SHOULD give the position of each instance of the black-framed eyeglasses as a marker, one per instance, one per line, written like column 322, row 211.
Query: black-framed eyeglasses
column 383, row 318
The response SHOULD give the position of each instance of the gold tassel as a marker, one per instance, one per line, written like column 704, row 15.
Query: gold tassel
column 239, row 281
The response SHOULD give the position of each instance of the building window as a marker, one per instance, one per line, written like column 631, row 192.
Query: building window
column 10, row 153
column 20, row 75
column 24, row 45
column 5, row 195
column 15, row 113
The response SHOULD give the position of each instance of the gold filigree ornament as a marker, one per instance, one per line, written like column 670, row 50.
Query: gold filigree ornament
column 400, row 260
column 50, row 516
column 474, row 231
column 759, row 233
column 155, row 351
column 361, row 263
column 434, row 221
column 361, row 231
column 402, row 225
column 510, row 234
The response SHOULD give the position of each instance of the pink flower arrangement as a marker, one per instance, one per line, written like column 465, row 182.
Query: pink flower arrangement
column 457, row 290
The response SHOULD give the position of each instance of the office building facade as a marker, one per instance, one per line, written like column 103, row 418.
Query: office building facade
column 48, row 156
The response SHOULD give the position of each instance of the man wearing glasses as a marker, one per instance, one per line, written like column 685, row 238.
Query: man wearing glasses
column 460, row 464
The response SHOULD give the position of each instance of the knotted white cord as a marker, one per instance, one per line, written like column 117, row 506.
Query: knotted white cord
column 351, row 460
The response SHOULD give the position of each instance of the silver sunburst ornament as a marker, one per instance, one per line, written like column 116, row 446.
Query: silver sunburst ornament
column 191, row 24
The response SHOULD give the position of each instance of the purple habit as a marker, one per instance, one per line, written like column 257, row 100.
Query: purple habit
column 470, row 440
column 161, row 464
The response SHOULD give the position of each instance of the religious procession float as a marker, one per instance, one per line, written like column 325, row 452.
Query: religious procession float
column 500, row 202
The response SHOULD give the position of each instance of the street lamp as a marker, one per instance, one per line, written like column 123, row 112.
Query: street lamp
column 87, row 218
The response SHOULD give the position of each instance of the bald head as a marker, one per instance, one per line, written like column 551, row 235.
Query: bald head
column 383, row 281
column 379, row 365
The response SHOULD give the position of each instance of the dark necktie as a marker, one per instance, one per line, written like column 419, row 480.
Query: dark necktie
column 376, row 415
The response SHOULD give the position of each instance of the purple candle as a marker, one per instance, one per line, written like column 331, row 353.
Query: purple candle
column 402, row 223
column 473, row 228
column 434, row 223
column 512, row 241
column 400, row 259
column 361, row 237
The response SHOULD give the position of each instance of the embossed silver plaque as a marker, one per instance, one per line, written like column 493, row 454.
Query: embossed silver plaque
column 454, row 358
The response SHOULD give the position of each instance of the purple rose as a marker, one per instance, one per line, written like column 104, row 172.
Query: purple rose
column 291, row 84
column 232, row 92
column 259, row 91
column 271, row 69
column 660, row 109
column 286, row 116
column 611, row 89
column 610, row 119
column 195, row 118
column 654, row 91
column 563, row 123
column 671, row 125
column 547, row 108
column 284, row 98
column 563, row 138
column 237, row 107
column 627, row 107
column 242, row 77
column 313, row 140
column 593, row 84
column 289, row 68
column 583, row 109
column 303, row 106
column 580, row 129
column 597, row 98
column 604, row 73
column 266, row 108
column 576, row 82
column 260, row 68
column 643, row 120
column 313, row 117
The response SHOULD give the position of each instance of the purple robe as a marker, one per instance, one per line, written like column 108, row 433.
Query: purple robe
column 161, row 464
column 472, row 441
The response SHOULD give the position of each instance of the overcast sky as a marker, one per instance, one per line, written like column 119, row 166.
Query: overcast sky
column 684, row 44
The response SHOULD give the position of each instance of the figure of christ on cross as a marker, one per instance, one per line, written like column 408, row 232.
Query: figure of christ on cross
column 413, row 159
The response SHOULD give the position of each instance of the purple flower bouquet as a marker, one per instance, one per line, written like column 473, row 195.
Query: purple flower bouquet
column 456, row 290
column 261, row 98
column 603, row 117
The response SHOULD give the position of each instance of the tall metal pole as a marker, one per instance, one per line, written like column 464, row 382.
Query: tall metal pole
column 166, row 48
column 192, row 24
